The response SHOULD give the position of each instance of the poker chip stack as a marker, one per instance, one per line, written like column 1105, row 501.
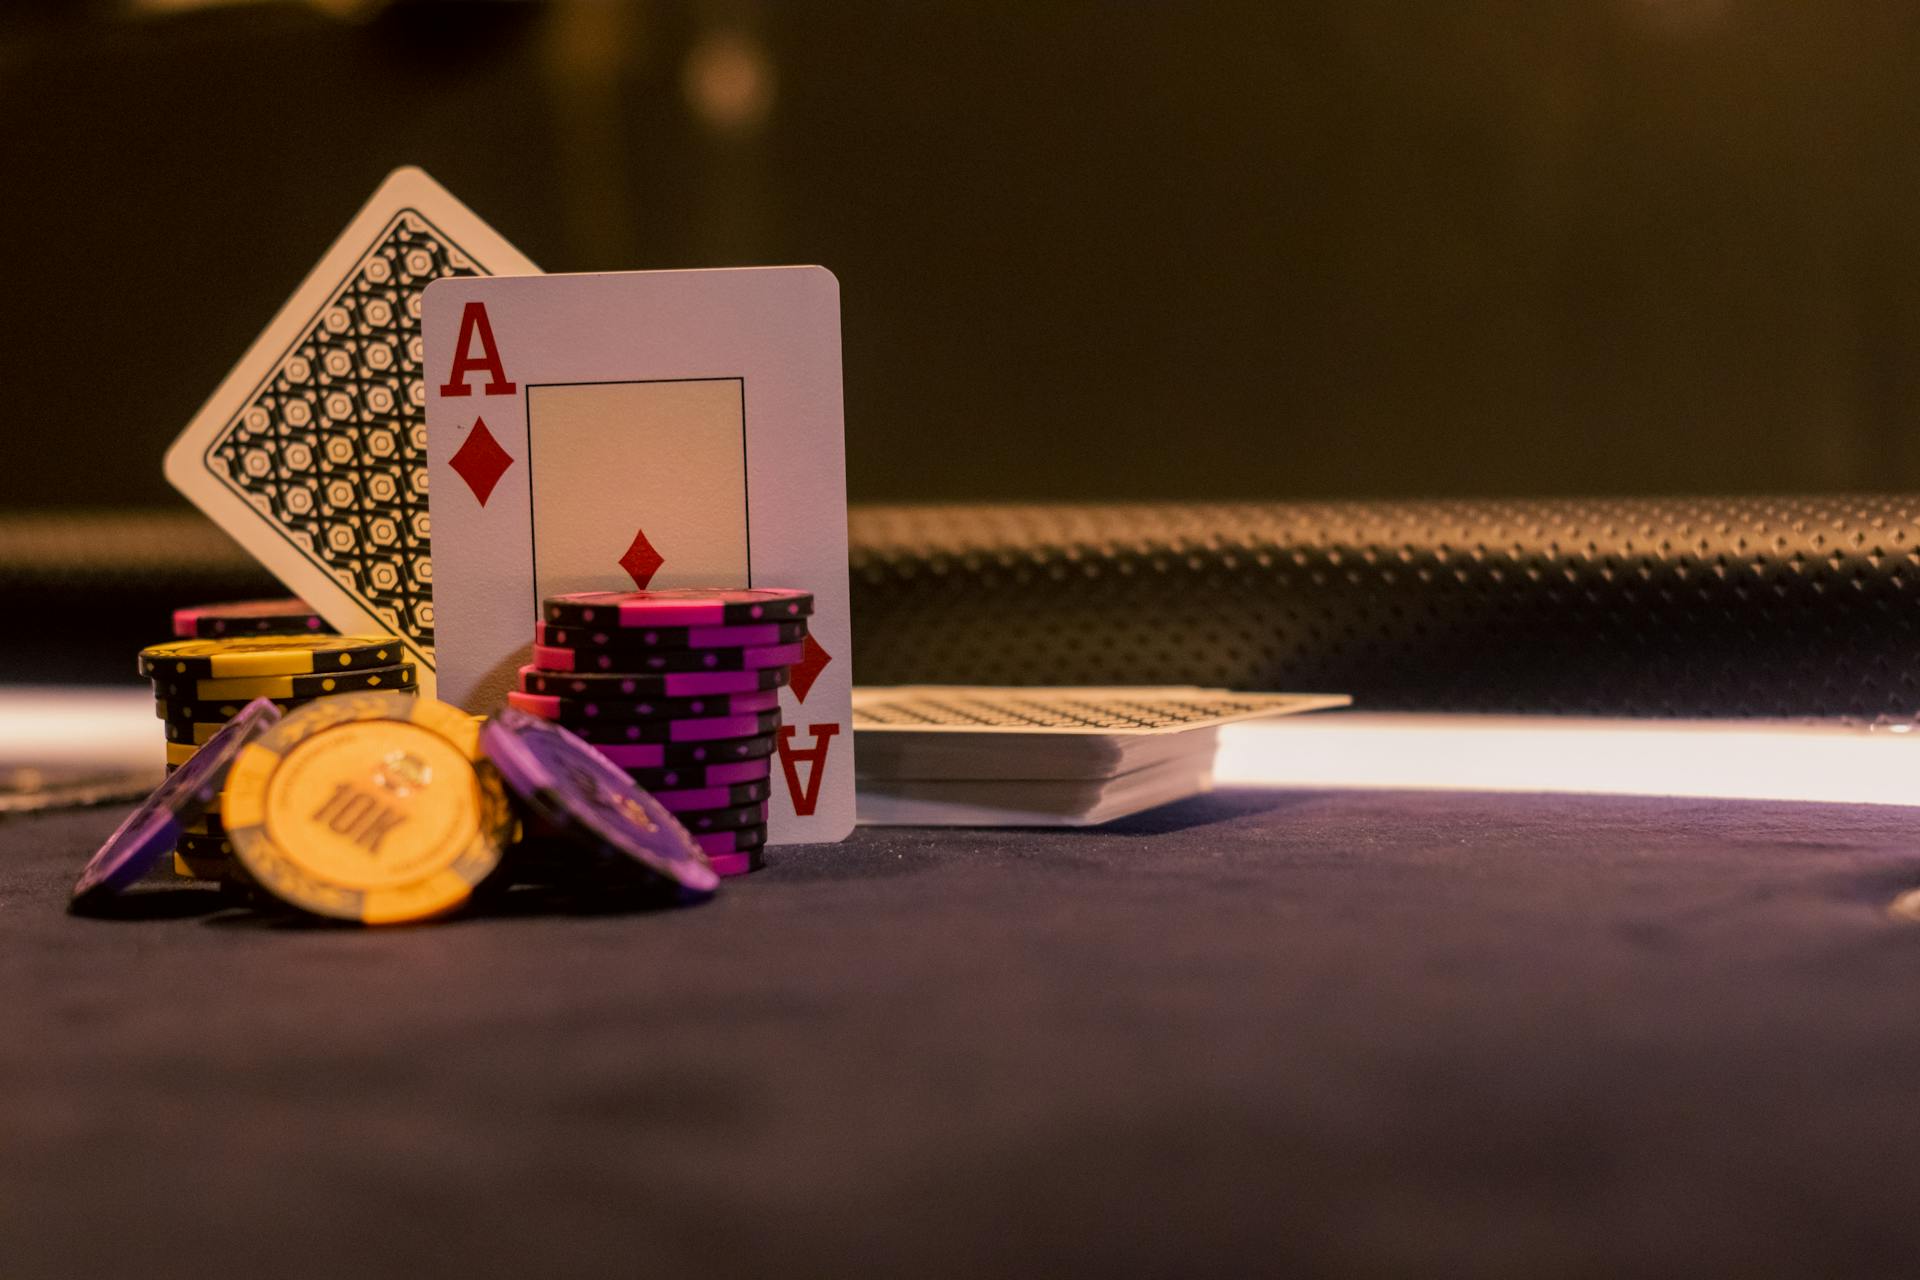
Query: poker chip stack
column 232, row 654
column 385, row 808
column 680, row 690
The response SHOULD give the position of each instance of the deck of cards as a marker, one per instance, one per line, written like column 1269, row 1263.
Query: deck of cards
column 970, row 756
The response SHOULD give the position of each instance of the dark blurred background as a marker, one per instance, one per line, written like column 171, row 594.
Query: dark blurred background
column 1124, row 250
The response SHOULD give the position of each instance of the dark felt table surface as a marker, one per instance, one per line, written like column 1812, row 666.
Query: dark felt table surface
column 1331, row 1034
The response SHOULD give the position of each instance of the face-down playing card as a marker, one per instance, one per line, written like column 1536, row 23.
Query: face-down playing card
column 645, row 429
column 312, row 453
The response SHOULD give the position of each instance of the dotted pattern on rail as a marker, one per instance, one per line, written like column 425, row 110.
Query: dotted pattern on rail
column 1670, row 607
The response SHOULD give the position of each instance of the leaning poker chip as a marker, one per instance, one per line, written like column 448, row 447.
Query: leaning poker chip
column 663, row 755
column 705, row 729
column 152, row 830
column 736, row 841
column 551, row 658
column 684, row 684
column 681, row 777
column 736, row 818
column 574, row 712
column 651, row 639
column 190, row 689
column 590, row 805
column 719, row 797
column 727, row 865
column 267, row 656
column 374, row 807
column 286, row 617
column 682, row 607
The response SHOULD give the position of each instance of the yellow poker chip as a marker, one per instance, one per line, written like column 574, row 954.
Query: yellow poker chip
column 194, row 689
column 375, row 807
column 268, row 656
column 178, row 753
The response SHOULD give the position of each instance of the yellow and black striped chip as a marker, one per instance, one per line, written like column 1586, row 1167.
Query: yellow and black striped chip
column 267, row 656
column 178, row 689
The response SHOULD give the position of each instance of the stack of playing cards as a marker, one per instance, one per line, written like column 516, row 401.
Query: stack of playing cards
column 939, row 755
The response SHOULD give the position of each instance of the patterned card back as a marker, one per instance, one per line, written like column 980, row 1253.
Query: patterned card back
column 333, row 446
column 312, row 453
column 1143, row 710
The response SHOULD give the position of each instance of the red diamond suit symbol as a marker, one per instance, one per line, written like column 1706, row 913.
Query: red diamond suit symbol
column 813, row 660
column 641, row 561
column 480, row 461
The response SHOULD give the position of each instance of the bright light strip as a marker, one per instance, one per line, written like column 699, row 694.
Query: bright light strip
column 1709, row 759
column 49, row 726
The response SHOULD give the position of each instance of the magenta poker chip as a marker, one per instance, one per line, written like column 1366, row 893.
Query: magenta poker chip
column 728, row 865
column 590, row 805
column 190, row 792
column 549, row 658
column 709, row 729
column 713, row 797
column 575, row 712
column 650, row 639
column 287, row 617
column 737, row 818
column 664, row 755
column 682, row 607
column 681, row 777
column 742, row 840
column 625, row 684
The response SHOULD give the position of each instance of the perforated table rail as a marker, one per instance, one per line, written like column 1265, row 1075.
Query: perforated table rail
column 1679, row 607
column 1796, row 606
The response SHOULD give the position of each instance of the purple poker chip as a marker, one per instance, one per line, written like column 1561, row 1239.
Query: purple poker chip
column 586, row 802
column 190, row 792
